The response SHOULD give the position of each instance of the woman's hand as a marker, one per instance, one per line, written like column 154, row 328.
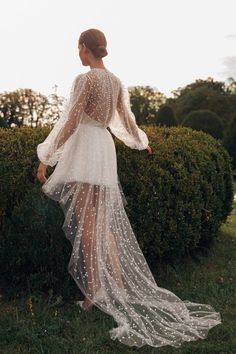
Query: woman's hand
column 149, row 149
column 41, row 173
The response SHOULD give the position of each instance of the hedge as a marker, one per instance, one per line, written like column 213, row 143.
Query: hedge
column 178, row 197
column 206, row 121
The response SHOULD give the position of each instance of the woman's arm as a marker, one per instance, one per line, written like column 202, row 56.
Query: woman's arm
column 41, row 172
column 49, row 151
column 124, row 125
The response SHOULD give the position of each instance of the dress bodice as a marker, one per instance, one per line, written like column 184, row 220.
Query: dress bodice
column 89, row 120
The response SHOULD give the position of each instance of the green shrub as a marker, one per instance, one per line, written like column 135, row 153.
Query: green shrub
column 165, row 116
column 177, row 199
column 229, row 141
column 32, row 247
column 205, row 120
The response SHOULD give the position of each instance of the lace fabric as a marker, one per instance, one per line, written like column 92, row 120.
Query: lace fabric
column 105, row 252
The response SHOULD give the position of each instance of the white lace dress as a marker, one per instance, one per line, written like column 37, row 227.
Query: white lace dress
column 106, row 254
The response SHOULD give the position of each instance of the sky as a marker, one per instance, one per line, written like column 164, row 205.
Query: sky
column 165, row 44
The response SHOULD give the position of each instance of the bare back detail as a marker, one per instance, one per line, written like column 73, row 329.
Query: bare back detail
column 109, row 103
column 104, row 89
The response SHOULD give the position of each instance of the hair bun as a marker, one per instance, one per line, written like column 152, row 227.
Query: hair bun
column 102, row 50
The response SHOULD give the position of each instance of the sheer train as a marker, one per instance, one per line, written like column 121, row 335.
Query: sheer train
column 106, row 255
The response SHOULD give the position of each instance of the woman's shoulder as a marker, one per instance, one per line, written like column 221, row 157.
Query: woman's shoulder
column 95, row 75
column 101, row 73
column 82, row 78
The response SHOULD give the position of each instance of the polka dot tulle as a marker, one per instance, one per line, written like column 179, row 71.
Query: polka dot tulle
column 106, row 261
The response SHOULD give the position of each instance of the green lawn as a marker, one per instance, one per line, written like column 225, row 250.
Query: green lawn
column 46, row 324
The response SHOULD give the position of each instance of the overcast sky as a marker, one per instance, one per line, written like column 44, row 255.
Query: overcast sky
column 165, row 44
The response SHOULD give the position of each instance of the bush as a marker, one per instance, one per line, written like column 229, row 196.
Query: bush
column 165, row 116
column 177, row 199
column 205, row 120
column 229, row 141
column 32, row 247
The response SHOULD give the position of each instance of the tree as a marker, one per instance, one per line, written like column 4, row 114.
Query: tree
column 165, row 116
column 231, row 85
column 205, row 120
column 229, row 140
column 145, row 102
column 27, row 107
column 204, row 94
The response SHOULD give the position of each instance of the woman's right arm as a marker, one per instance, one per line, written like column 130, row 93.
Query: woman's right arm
column 124, row 126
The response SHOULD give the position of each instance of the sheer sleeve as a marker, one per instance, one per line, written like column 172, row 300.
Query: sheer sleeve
column 51, row 148
column 124, row 126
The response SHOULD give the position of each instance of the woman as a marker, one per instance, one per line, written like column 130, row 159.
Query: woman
column 106, row 262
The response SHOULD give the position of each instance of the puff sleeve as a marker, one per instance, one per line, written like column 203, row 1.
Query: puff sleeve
column 49, row 151
column 124, row 126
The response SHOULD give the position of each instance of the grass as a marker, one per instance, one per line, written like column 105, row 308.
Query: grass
column 47, row 324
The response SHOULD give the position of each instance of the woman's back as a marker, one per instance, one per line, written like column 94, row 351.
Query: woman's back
column 104, row 88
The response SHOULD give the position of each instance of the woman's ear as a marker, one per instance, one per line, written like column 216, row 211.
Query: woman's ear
column 85, row 48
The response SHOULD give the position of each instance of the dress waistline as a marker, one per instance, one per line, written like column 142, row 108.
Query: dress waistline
column 88, row 120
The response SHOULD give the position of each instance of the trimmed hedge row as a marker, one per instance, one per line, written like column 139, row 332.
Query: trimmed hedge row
column 177, row 199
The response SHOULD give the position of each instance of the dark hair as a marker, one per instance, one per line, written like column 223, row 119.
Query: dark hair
column 94, row 40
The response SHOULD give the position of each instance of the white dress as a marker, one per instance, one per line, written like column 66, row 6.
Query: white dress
column 106, row 254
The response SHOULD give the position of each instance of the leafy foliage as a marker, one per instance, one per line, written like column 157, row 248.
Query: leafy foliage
column 205, row 120
column 177, row 199
column 204, row 94
column 145, row 102
column 229, row 140
column 27, row 107
column 166, row 116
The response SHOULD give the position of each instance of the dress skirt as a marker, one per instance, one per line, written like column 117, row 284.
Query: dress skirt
column 105, row 252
